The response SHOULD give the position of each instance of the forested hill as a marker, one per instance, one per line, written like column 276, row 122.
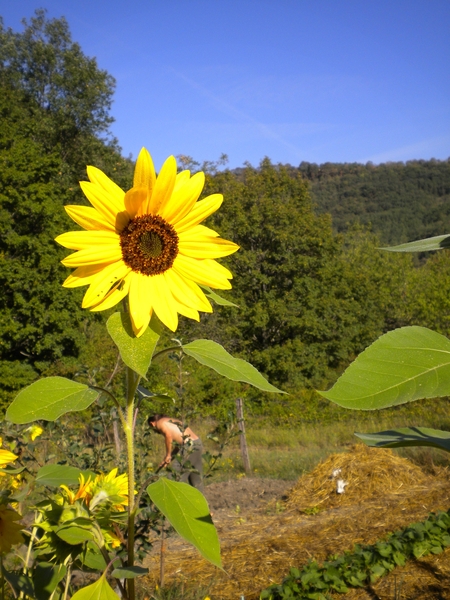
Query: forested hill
column 402, row 201
column 306, row 301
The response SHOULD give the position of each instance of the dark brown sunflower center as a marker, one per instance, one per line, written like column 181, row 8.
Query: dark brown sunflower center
column 149, row 245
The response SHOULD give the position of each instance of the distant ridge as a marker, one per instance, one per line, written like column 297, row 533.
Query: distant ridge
column 402, row 201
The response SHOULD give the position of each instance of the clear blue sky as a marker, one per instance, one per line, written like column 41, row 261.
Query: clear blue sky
column 313, row 80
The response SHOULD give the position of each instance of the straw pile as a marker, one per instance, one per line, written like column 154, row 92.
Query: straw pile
column 384, row 493
column 366, row 473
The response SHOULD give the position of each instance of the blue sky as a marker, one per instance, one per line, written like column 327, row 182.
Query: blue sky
column 294, row 80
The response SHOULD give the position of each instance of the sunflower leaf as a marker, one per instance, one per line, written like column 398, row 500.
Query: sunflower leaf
column 403, row 365
column 48, row 399
column 215, row 356
column 19, row 582
column 216, row 298
column 136, row 352
column 46, row 577
column 56, row 475
column 129, row 572
column 437, row 242
column 188, row 513
column 407, row 436
column 74, row 534
column 100, row 590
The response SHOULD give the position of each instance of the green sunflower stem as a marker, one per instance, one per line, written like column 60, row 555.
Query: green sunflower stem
column 132, row 383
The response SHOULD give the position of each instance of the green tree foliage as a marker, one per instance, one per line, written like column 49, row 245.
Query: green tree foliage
column 54, row 104
column 402, row 202
column 309, row 300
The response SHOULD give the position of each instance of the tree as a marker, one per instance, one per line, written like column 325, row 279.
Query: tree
column 303, row 312
column 54, row 104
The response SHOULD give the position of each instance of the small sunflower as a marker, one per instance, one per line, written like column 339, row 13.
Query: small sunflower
column 35, row 431
column 9, row 529
column 6, row 457
column 83, row 492
column 147, row 243
column 112, row 488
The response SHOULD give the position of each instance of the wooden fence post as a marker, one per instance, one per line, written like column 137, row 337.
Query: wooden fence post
column 243, row 440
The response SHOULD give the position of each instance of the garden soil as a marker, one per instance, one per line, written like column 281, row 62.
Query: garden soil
column 267, row 526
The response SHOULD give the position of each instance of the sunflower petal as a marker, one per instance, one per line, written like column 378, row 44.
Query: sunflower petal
column 187, row 311
column 114, row 192
column 83, row 276
column 201, row 210
column 187, row 291
column 138, row 331
column 140, row 301
column 181, row 179
column 104, row 203
column 144, row 171
column 206, row 272
column 104, row 282
column 136, row 201
column 114, row 297
column 194, row 232
column 183, row 199
column 88, row 218
column 79, row 240
column 165, row 183
column 94, row 256
column 163, row 302
column 207, row 248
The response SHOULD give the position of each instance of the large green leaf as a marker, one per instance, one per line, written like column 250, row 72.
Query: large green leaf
column 407, row 436
column 136, row 352
column 129, row 572
column 55, row 475
column 48, row 399
column 216, row 298
column 215, row 356
column 402, row 365
column 45, row 578
column 19, row 583
column 437, row 242
column 75, row 534
column 100, row 590
column 188, row 512
column 92, row 557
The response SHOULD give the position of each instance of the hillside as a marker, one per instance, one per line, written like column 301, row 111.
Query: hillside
column 402, row 201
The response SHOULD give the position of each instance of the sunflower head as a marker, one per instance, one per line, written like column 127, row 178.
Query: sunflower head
column 148, row 244
column 110, row 488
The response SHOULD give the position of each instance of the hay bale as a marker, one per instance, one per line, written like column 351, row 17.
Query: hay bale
column 366, row 472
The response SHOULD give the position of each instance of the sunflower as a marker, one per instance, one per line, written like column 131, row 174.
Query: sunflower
column 148, row 244
column 6, row 457
column 9, row 529
column 112, row 488
column 83, row 492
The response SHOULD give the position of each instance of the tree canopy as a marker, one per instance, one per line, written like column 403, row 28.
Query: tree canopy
column 309, row 299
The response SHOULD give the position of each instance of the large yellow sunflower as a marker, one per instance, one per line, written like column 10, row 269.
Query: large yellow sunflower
column 147, row 243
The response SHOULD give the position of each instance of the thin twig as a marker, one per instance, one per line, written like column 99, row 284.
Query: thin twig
column 116, row 368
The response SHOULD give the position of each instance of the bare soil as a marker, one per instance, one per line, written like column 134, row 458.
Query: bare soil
column 245, row 495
